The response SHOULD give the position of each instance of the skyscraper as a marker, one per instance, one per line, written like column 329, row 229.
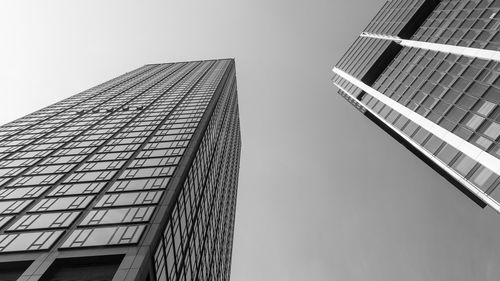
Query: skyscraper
column 427, row 72
column 134, row 179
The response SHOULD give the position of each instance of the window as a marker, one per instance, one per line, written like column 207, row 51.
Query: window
column 484, row 178
column 147, row 172
column 162, row 145
column 482, row 142
column 493, row 130
column 11, row 172
column 64, row 159
column 107, row 165
column 90, row 176
column 154, row 162
column 22, row 192
column 474, row 121
column 118, row 235
column 13, row 207
column 39, row 170
column 161, row 153
column 8, row 149
column 31, row 241
column 168, row 138
column 29, row 137
column 83, row 144
column 63, row 203
column 118, row 216
column 485, row 107
column 159, row 259
column 16, row 142
column 35, row 180
column 133, row 134
column 102, row 131
column 143, row 184
column 78, row 188
column 45, row 146
column 433, row 144
column 17, row 163
column 118, row 148
column 94, row 137
column 464, row 165
column 74, row 151
column 126, row 141
column 48, row 220
column 111, row 156
column 131, row 198
column 30, row 154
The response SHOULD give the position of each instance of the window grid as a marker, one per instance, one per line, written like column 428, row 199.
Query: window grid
column 99, row 170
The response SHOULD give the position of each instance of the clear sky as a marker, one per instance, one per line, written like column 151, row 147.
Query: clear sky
column 323, row 194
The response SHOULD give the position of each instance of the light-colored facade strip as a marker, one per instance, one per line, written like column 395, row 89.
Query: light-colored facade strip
column 476, row 191
column 481, row 156
column 445, row 48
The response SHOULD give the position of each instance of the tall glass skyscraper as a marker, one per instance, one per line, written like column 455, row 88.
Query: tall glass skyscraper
column 427, row 72
column 134, row 179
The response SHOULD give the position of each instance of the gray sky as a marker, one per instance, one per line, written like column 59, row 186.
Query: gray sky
column 323, row 194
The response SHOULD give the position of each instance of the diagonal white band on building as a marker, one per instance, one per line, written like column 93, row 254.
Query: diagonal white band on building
column 478, row 192
column 481, row 156
column 457, row 50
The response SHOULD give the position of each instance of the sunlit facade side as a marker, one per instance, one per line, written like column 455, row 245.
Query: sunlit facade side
column 134, row 179
column 427, row 72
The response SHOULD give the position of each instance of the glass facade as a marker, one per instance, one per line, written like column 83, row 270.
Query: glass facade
column 136, row 167
column 474, row 23
column 444, row 104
